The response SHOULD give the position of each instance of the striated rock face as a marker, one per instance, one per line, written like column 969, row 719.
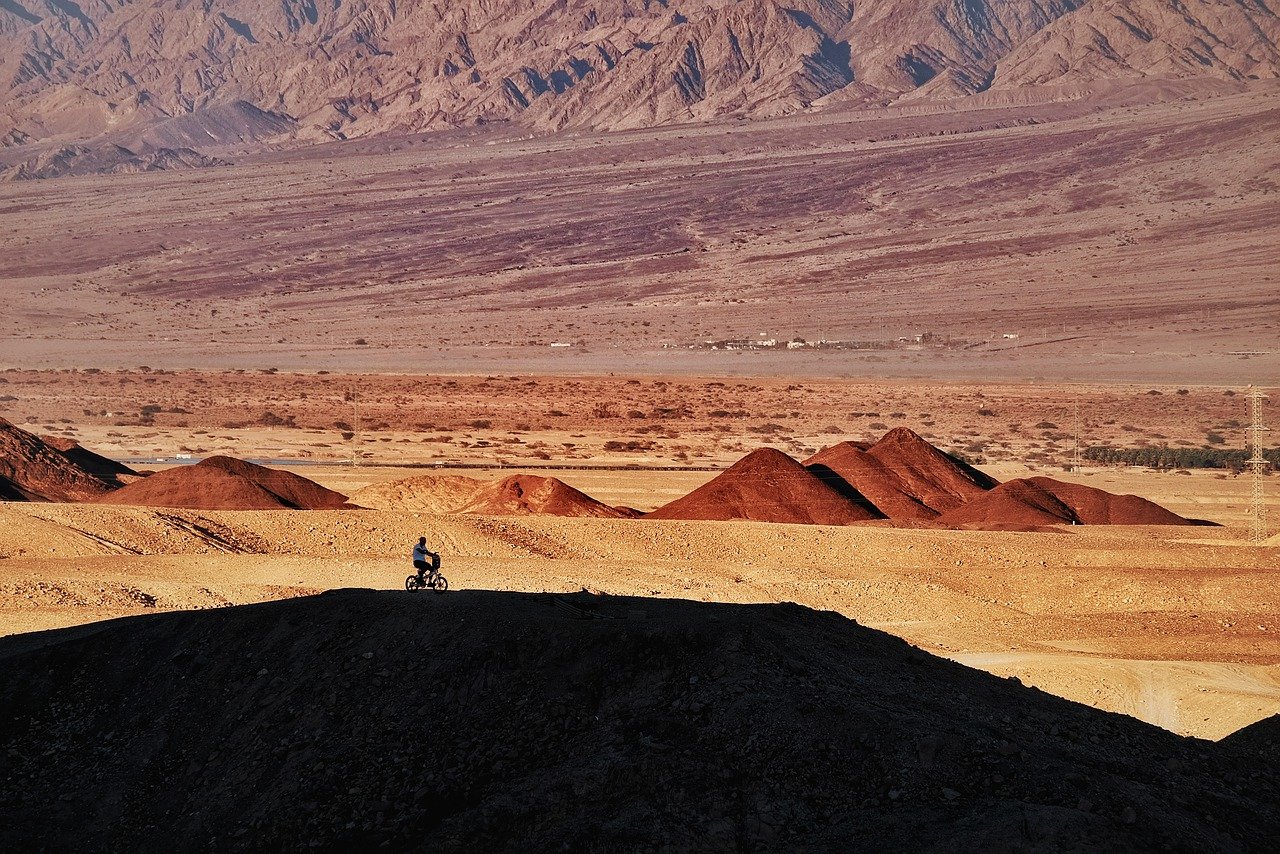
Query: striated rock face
column 241, row 71
column 1124, row 39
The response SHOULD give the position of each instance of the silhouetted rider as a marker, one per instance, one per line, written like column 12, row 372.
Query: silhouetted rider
column 424, row 560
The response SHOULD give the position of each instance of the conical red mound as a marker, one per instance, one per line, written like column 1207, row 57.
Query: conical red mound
column 1044, row 501
column 905, row 477
column 767, row 486
column 224, row 483
column 33, row 470
column 532, row 495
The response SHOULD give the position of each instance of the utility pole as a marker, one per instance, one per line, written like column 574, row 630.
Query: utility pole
column 1257, row 464
column 354, row 397
column 1075, row 454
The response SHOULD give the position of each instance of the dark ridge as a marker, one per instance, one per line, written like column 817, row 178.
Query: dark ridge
column 483, row 721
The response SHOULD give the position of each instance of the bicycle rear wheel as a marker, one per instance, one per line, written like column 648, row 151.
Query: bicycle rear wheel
column 411, row 583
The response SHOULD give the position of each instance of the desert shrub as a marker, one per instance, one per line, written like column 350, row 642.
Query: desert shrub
column 878, row 425
column 1215, row 438
column 632, row 445
column 1046, row 425
column 480, row 424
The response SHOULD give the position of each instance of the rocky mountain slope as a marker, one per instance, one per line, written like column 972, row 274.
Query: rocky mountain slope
column 483, row 721
column 240, row 70
column 1109, row 39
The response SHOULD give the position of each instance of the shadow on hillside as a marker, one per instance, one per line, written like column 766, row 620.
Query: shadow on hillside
column 482, row 720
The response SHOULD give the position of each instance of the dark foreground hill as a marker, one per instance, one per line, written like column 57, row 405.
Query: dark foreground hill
column 483, row 721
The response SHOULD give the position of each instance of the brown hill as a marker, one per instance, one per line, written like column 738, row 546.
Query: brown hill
column 531, row 495
column 517, row 495
column 431, row 493
column 223, row 483
column 234, row 71
column 768, row 486
column 902, row 475
column 576, row 723
column 33, row 470
column 1119, row 39
column 1044, row 501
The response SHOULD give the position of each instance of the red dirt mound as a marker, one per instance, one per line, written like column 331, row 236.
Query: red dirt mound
column 1044, row 501
column 33, row 470
column 531, row 495
column 902, row 475
column 224, row 483
column 767, row 486
column 96, row 464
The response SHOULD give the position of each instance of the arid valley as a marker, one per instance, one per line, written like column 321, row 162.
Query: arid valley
column 840, row 427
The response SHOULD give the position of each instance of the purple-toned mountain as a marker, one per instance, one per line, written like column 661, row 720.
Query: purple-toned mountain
column 170, row 74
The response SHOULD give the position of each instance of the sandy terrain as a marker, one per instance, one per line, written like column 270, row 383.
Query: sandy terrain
column 1176, row 626
column 1128, row 238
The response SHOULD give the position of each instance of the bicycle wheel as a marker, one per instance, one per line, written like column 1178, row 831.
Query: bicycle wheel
column 439, row 583
column 411, row 583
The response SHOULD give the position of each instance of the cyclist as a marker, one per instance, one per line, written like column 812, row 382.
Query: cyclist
column 424, row 560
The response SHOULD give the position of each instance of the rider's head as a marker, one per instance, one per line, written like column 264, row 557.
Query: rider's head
column 422, row 541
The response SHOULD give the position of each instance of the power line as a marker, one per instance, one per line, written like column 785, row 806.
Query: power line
column 1257, row 464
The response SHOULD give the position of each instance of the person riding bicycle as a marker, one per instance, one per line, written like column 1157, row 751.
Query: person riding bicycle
column 424, row 560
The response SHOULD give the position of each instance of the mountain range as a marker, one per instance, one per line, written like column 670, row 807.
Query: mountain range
column 182, row 74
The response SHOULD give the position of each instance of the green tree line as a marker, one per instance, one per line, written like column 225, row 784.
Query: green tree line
column 1178, row 458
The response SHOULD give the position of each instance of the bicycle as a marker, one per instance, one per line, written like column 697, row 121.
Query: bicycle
column 432, row 580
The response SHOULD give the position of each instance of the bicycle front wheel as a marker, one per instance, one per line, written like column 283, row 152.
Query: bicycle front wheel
column 439, row 583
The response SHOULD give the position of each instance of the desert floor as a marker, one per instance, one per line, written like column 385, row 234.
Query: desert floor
column 152, row 416
column 1123, row 238
column 1179, row 627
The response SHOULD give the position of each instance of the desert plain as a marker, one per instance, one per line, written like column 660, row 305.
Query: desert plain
column 1176, row 626
column 1027, row 264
